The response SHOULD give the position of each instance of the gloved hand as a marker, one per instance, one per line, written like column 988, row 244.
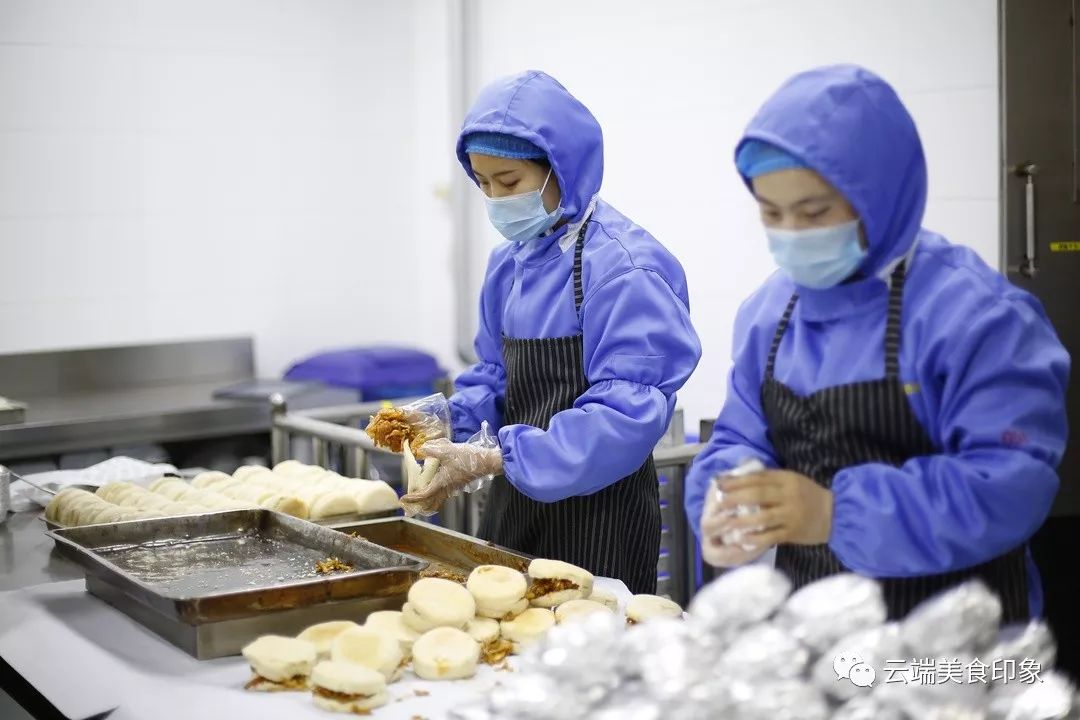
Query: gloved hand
column 459, row 465
column 720, row 545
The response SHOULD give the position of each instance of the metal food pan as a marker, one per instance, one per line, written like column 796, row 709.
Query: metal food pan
column 330, row 522
column 435, row 544
column 227, row 565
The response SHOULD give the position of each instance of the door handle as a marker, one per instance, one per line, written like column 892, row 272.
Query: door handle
column 1029, row 266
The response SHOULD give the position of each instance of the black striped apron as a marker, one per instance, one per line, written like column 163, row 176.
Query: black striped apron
column 867, row 422
column 612, row 533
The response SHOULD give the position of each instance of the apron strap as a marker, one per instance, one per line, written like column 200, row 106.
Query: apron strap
column 579, row 291
column 781, row 328
column 893, row 326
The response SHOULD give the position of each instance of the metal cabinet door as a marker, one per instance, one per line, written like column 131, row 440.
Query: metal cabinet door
column 1040, row 82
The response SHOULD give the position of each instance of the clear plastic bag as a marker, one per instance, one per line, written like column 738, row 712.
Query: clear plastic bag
column 432, row 415
column 735, row 550
column 487, row 440
column 416, row 422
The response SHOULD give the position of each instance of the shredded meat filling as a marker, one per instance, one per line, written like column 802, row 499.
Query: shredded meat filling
column 339, row 696
column 390, row 428
column 443, row 573
column 297, row 682
column 496, row 651
column 332, row 565
column 545, row 586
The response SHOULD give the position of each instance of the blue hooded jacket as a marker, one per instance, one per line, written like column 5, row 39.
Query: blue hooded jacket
column 985, row 371
column 639, row 345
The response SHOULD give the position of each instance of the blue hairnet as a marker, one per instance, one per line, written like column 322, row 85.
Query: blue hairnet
column 502, row 145
column 757, row 158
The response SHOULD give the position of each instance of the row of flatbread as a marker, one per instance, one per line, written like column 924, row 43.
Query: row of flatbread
column 303, row 491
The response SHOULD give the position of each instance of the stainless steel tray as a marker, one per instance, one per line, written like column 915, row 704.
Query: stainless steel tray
column 215, row 567
column 330, row 522
column 442, row 548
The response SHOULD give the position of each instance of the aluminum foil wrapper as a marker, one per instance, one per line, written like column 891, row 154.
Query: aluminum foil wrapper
column 778, row 700
column 964, row 619
column 735, row 537
column 822, row 613
column 737, row 599
column 631, row 706
column 946, row 685
column 867, row 707
column 583, row 655
column 665, row 656
column 874, row 647
column 955, row 712
column 1020, row 642
column 532, row 696
column 1054, row 697
column 476, row 710
column 764, row 652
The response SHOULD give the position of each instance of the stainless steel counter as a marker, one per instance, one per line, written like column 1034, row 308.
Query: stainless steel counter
column 27, row 558
column 104, row 397
column 155, row 414
column 26, row 554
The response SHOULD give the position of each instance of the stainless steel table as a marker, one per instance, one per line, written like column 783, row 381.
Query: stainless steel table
column 27, row 558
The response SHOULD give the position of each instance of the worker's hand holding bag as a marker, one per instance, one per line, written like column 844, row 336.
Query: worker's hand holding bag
column 774, row 507
column 461, row 467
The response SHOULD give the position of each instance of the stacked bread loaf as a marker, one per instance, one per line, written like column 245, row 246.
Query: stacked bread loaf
column 303, row 491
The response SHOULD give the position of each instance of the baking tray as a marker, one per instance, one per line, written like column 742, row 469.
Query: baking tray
column 330, row 522
column 198, row 569
column 441, row 548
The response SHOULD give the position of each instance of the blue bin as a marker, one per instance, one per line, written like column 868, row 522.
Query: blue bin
column 375, row 373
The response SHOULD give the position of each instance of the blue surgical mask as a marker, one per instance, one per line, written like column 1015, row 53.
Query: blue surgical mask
column 522, row 217
column 818, row 258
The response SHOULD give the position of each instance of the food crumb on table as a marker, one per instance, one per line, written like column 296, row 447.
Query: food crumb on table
column 331, row 565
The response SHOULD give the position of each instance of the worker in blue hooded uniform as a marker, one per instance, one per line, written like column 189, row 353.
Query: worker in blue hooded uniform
column 906, row 401
column 584, row 338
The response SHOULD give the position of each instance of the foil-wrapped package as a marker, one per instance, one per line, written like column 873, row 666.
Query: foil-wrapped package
column 738, row 598
column 533, row 696
column 581, row 653
column 867, row 707
column 630, row 707
column 964, row 619
column 735, row 537
column 764, row 652
column 663, row 653
column 778, row 700
column 477, row 710
column 1025, row 642
column 822, row 613
column 931, row 684
column 875, row 647
column 954, row 712
column 1050, row 699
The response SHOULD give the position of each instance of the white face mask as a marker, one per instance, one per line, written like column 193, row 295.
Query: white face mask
column 522, row 217
column 818, row 258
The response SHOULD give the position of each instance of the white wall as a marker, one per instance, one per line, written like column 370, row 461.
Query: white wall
column 674, row 83
column 177, row 169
